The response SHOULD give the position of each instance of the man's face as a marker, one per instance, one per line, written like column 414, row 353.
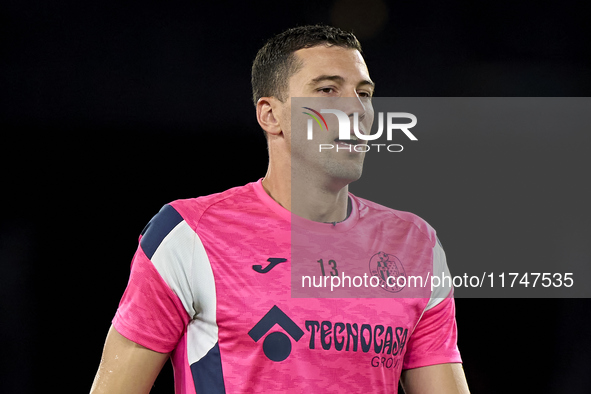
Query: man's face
column 335, row 78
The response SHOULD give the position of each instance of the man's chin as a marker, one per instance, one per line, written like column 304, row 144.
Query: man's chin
column 345, row 174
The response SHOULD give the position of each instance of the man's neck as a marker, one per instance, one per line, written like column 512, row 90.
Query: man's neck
column 307, row 199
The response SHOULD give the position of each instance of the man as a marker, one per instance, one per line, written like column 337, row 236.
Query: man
column 210, row 282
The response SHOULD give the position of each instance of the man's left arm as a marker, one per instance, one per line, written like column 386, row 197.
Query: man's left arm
column 435, row 379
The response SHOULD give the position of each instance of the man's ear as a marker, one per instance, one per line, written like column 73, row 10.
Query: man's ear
column 267, row 115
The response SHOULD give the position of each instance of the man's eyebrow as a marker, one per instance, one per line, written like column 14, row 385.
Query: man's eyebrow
column 368, row 82
column 321, row 78
column 338, row 78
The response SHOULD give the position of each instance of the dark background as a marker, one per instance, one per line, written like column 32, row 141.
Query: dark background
column 109, row 110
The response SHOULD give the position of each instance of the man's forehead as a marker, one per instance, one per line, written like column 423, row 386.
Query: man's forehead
column 330, row 60
column 326, row 50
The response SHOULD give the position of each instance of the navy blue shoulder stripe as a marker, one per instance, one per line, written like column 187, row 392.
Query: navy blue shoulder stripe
column 158, row 228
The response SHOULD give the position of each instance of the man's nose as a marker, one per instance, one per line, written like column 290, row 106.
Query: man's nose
column 352, row 104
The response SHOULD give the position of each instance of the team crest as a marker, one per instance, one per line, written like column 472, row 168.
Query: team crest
column 384, row 266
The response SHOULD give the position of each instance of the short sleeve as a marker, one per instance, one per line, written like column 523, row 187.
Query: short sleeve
column 434, row 340
column 442, row 288
column 152, row 311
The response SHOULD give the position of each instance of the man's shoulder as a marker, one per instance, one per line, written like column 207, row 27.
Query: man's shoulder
column 402, row 218
column 227, row 201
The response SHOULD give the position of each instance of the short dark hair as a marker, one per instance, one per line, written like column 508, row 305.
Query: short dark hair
column 275, row 62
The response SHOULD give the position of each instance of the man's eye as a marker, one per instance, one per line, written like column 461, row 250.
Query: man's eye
column 326, row 90
column 364, row 94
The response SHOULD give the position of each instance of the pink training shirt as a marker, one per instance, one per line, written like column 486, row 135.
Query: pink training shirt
column 210, row 283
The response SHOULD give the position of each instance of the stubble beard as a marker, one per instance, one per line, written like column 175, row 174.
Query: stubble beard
column 324, row 168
